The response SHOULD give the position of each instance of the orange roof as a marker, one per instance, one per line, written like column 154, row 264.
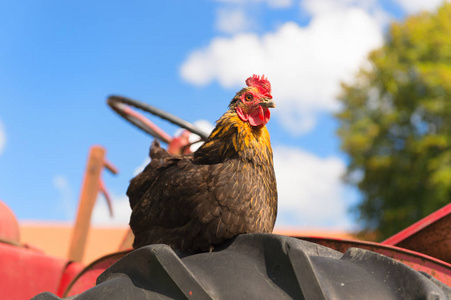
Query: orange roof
column 54, row 238
column 315, row 232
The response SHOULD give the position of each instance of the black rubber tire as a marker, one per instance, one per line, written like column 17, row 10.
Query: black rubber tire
column 261, row 266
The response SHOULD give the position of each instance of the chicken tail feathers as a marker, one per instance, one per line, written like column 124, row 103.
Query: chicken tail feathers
column 139, row 185
column 156, row 152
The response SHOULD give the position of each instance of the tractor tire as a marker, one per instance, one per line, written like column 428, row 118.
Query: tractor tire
column 261, row 266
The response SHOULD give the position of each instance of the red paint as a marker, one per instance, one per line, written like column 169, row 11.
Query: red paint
column 25, row 272
column 71, row 271
column 431, row 235
column 418, row 226
column 180, row 145
column 9, row 228
column 86, row 279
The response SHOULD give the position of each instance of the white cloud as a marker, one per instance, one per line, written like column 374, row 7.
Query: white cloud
column 319, row 7
column 2, row 138
column 232, row 20
column 204, row 125
column 416, row 6
column 235, row 16
column 311, row 193
column 66, row 196
column 304, row 64
column 121, row 211
column 316, row 8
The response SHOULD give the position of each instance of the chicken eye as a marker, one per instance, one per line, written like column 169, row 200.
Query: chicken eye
column 249, row 97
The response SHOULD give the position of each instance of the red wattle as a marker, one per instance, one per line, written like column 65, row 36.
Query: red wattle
column 259, row 116
column 267, row 115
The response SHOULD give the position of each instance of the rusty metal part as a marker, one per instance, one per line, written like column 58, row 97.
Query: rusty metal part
column 106, row 194
column 92, row 185
column 439, row 269
column 431, row 235
column 110, row 167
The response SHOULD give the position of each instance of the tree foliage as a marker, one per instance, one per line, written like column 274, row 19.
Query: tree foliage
column 395, row 124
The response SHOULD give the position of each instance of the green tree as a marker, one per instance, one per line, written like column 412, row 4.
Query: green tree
column 395, row 125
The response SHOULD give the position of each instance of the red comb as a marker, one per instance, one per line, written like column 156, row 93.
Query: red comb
column 261, row 83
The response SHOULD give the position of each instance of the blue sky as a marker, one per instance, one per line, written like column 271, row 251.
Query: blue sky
column 59, row 62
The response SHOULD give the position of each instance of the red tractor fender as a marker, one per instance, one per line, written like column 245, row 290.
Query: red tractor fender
column 26, row 271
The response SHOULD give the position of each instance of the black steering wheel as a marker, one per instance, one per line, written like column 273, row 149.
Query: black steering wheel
column 121, row 105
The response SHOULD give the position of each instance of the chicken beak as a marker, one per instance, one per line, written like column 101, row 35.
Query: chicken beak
column 268, row 102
